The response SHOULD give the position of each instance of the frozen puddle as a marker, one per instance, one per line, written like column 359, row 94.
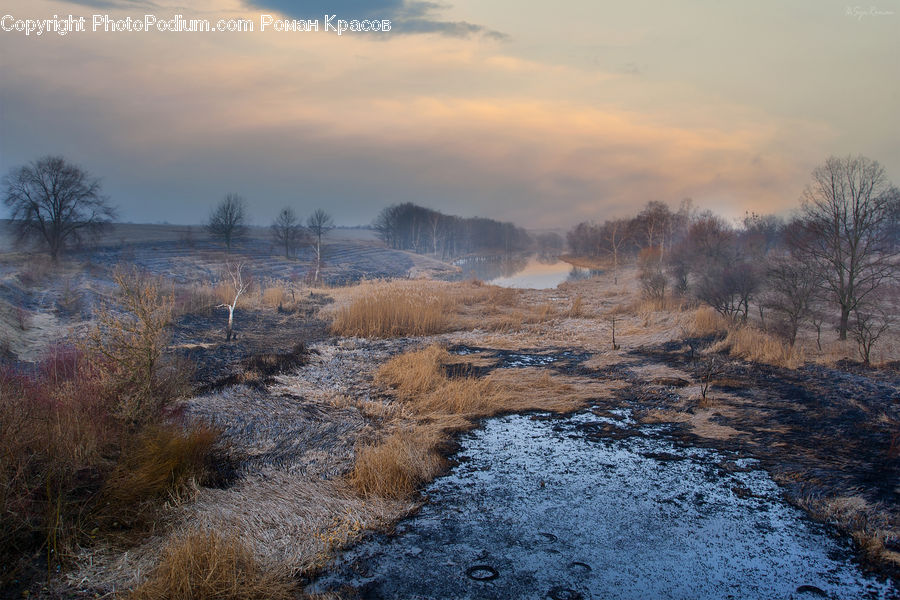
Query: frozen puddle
column 535, row 509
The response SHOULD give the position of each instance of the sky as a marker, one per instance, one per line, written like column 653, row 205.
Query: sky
column 545, row 114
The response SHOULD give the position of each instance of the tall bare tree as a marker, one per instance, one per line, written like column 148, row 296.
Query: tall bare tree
column 616, row 235
column 228, row 220
column 792, row 288
column 844, row 211
column 653, row 225
column 319, row 223
column 287, row 231
column 56, row 202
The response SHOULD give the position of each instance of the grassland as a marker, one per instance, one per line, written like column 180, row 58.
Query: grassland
column 278, row 458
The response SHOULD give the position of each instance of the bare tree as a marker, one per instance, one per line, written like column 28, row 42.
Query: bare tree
column 239, row 285
column 728, row 288
column 844, row 212
column 287, row 231
column 793, row 286
column 867, row 328
column 616, row 234
column 707, row 369
column 653, row 280
column 319, row 223
column 435, row 219
column 56, row 202
column 228, row 220
column 653, row 225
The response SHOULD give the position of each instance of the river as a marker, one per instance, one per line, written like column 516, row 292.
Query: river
column 521, row 271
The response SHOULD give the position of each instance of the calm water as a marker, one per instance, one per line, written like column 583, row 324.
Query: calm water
column 517, row 271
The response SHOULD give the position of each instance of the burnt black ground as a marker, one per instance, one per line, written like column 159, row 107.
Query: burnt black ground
column 200, row 338
column 838, row 426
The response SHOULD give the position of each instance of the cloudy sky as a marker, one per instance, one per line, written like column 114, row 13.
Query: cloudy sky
column 537, row 112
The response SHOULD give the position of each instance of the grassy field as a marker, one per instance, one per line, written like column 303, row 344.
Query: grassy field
column 335, row 405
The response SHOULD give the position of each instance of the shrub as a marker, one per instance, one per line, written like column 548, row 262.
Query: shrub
column 56, row 435
column 867, row 328
column 128, row 345
column 653, row 281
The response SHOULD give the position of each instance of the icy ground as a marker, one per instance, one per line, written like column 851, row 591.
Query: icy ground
column 539, row 508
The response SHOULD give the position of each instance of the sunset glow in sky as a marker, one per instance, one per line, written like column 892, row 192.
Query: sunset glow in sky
column 542, row 113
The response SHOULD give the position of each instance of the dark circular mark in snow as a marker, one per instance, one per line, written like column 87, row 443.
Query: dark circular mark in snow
column 561, row 593
column 811, row 589
column 482, row 572
column 579, row 566
column 550, row 537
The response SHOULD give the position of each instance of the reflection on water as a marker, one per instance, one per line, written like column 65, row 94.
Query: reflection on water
column 520, row 271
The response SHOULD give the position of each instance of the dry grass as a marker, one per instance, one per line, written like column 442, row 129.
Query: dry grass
column 500, row 296
column 869, row 526
column 162, row 462
column 274, row 296
column 388, row 312
column 195, row 298
column 416, row 308
column 645, row 307
column 533, row 388
column 205, row 564
column 754, row 345
column 435, row 406
column 419, row 379
column 707, row 322
column 656, row 415
column 396, row 467
column 414, row 374
column 577, row 308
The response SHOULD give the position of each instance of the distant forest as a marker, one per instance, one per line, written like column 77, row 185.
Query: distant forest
column 425, row 231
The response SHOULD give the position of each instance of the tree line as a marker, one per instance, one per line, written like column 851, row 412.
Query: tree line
column 423, row 230
column 835, row 260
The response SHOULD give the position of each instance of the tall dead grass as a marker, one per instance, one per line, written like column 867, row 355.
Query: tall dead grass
column 707, row 321
column 162, row 462
column 751, row 344
column 206, row 564
column 414, row 308
column 397, row 466
column 387, row 312
column 420, row 380
column 434, row 406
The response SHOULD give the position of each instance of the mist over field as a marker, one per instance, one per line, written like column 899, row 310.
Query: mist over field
column 405, row 299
